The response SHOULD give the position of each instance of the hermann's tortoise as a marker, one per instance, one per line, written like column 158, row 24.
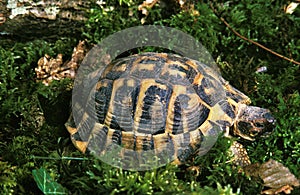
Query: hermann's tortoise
column 167, row 104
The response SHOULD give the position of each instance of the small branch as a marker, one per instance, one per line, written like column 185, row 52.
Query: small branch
column 251, row 41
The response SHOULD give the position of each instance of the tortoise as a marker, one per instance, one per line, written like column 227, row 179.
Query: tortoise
column 165, row 102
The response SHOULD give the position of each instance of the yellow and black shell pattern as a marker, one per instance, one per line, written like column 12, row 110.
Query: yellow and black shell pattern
column 158, row 101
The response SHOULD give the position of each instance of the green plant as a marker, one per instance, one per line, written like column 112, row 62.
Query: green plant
column 8, row 178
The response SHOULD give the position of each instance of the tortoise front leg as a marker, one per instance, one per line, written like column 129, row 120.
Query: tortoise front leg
column 240, row 155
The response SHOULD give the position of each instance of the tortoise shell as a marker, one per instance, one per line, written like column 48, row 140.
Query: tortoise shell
column 159, row 102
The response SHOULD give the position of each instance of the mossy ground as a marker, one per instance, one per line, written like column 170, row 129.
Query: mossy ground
column 32, row 115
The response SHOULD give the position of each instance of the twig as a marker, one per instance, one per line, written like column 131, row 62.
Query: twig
column 251, row 41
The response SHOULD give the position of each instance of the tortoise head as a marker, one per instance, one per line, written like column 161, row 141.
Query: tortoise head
column 252, row 122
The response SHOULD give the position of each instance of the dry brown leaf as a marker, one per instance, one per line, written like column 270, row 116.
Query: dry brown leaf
column 144, row 7
column 54, row 69
column 275, row 176
column 278, row 177
column 291, row 7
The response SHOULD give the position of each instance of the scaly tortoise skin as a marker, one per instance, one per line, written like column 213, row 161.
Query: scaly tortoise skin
column 156, row 101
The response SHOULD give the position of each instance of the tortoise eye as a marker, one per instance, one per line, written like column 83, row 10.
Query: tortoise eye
column 259, row 125
column 244, row 127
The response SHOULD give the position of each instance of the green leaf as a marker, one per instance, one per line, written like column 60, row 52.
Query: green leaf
column 46, row 184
